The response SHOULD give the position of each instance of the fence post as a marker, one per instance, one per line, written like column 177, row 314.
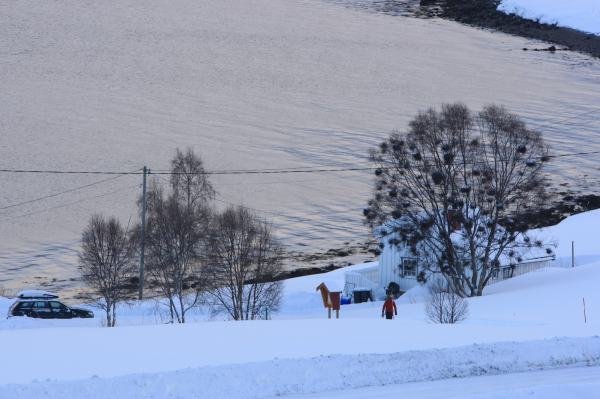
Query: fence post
column 572, row 254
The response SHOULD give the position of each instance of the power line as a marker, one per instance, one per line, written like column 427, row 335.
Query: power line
column 573, row 154
column 214, row 172
column 280, row 171
column 299, row 169
column 224, row 172
column 72, row 203
column 305, row 219
column 68, row 172
column 251, row 172
column 264, row 183
column 268, row 170
column 541, row 157
column 59, row 193
column 330, row 226
column 550, row 124
column 321, row 165
column 275, row 213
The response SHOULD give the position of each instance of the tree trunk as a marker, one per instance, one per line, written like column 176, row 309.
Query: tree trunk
column 114, row 314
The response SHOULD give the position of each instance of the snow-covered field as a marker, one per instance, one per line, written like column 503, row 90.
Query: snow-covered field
column 530, row 325
column 579, row 14
column 249, row 84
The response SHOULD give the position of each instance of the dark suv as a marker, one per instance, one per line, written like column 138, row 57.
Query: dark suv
column 45, row 307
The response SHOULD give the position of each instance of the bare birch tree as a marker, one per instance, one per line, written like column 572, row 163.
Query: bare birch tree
column 106, row 264
column 174, row 248
column 176, row 233
column 244, row 259
column 189, row 180
column 443, row 305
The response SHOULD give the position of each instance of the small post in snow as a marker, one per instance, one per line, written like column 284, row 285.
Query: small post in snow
column 572, row 253
column 584, row 315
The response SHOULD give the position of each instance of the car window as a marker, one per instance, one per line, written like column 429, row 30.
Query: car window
column 57, row 306
column 40, row 305
column 25, row 305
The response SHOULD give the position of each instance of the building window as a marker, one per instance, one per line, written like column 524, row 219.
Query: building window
column 409, row 267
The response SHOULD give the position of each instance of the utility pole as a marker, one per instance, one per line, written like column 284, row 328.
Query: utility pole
column 143, row 232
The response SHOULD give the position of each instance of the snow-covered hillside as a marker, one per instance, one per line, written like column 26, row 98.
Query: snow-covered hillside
column 513, row 328
column 532, row 322
column 249, row 84
column 579, row 14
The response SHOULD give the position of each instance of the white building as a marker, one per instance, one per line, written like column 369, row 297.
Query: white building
column 397, row 265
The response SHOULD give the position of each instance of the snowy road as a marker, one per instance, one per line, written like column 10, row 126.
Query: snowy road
column 577, row 382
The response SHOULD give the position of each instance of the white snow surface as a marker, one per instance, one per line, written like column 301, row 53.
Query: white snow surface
column 281, row 377
column 580, row 383
column 576, row 235
column 532, row 322
column 513, row 328
column 583, row 15
column 36, row 294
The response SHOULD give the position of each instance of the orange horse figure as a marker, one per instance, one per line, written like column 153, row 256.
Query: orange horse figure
column 331, row 300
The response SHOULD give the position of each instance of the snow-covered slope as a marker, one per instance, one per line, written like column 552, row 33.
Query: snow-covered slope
column 579, row 14
column 283, row 377
column 532, row 322
column 575, row 234
column 359, row 350
column 249, row 84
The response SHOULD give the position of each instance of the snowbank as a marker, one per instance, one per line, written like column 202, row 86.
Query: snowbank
column 578, row 229
column 325, row 373
column 583, row 15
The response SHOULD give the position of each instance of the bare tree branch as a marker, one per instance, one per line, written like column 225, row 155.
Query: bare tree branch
column 244, row 258
column 454, row 190
column 105, row 263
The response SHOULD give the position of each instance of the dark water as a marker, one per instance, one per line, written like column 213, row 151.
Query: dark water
column 303, row 102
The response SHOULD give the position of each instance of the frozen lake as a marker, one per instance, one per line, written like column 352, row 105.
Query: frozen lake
column 249, row 84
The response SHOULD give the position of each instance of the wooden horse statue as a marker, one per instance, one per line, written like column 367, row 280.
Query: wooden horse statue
column 331, row 300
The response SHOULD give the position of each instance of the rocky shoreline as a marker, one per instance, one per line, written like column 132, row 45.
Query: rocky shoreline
column 484, row 14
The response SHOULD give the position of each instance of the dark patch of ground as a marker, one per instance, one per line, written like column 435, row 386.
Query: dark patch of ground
column 569, row 205
column 307, row 271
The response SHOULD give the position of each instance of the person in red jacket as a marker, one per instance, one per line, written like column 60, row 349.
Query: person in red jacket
column 389, row 308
